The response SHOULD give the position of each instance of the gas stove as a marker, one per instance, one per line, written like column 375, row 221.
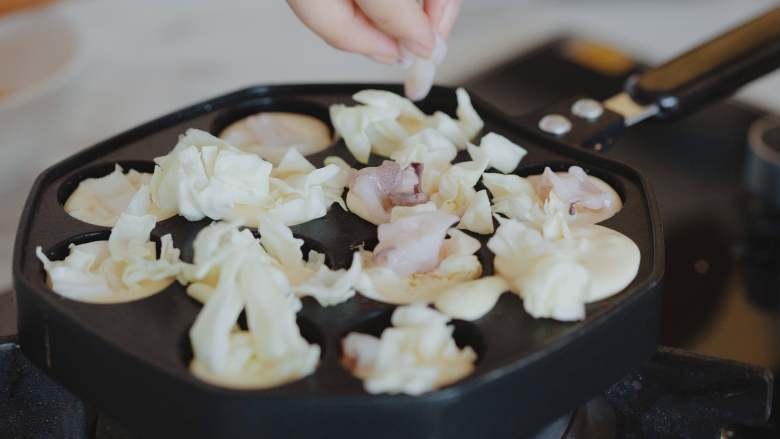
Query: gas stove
column 721, row 295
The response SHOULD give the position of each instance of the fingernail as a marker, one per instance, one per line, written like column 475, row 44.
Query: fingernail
column 384, row 59
column 418, row 48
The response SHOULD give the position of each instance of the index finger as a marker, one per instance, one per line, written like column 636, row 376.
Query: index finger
column 342, row 25
column 404, row 20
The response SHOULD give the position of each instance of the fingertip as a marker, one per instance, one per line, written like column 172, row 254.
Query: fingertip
column 345, row 27
column 443, row 15
column 403, row 20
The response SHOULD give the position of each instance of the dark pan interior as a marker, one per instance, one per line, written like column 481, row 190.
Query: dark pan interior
column 153, row 331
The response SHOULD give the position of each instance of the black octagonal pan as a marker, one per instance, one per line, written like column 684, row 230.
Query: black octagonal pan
column 131, row 359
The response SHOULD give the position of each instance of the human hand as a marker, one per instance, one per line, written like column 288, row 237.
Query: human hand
column 379, row 28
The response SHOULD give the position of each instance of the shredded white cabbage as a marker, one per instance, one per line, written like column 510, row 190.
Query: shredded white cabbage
column 416, row 355
column 534, row 199
column 499, row 152
column 206, row 177
column 272, row 351
column 455, row 190
column 233, row 273
column 478, row 216
column 101, row 200
column 122, row 269
column 218, row 243
column 312, row 277
column 384, row 121
column 556, row 276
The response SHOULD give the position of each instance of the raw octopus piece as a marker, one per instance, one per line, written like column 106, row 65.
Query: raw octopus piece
column 412, row 244
column 574, row 189
column 380, row 188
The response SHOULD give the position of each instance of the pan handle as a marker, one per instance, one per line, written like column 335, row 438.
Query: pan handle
column 713, row 70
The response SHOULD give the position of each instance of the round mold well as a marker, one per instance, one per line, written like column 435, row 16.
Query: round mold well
column 309, row 331
column 72, row 182
column 255, row 107
column 61, row 250
column 538, row 169
column 465, row 333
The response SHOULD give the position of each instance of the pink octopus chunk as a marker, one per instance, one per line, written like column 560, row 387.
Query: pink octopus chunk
column 382, row 187
column 575, row 189
column 413, row 244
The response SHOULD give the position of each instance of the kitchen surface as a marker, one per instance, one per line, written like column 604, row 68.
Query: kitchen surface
column 134, row 63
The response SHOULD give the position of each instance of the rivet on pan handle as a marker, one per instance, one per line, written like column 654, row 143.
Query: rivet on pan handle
column 707, row 73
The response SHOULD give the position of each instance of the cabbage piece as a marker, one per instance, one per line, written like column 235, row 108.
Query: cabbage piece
column 478, row 216
column 455, row 190
column 515, row 197
column 213, row 246
column 399, row 212
column 430, row 148
column 300, row 197
column 279, row 243
column 506, row 187
column 385, row 122
column 468, row 119
column 101, row 200
column 329, row 287
column 232, row 273
column 416, row 355
column 272, row 352
column 292, row 163
column 473, row 299
column 204, row 176
column 121, row 269
column 557, row 277
column 499, row 152
column 77, row 276
column 386, row 136
column 401, row 106
column 450, row 128
column 352, row 122
column 312, row 277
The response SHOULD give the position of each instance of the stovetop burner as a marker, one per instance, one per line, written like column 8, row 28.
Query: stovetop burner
column 721, row 287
